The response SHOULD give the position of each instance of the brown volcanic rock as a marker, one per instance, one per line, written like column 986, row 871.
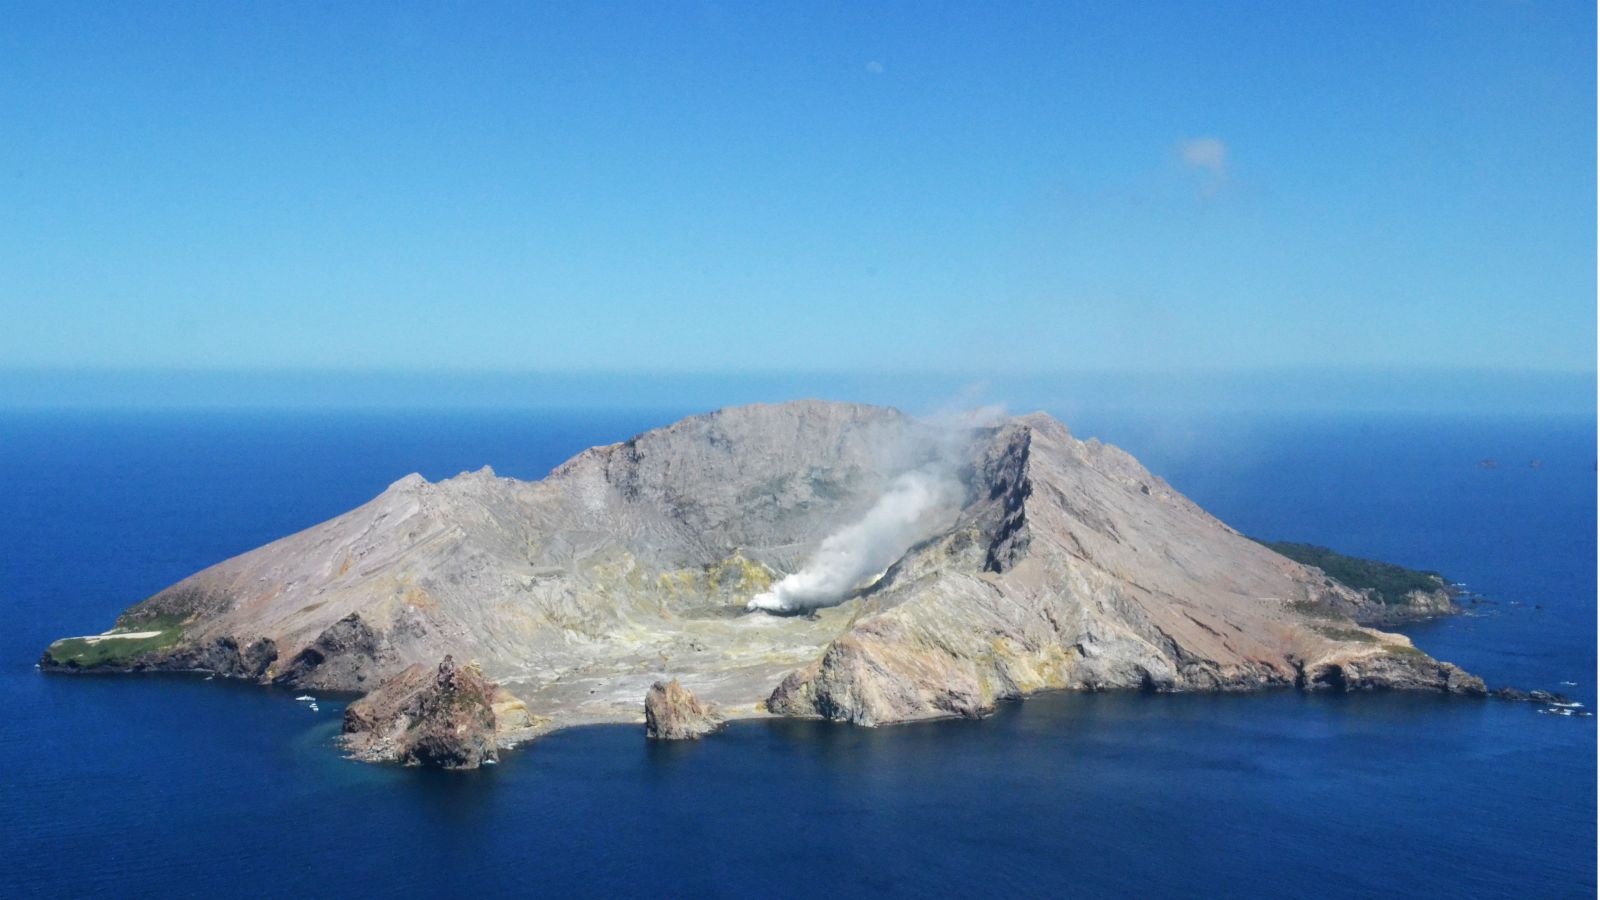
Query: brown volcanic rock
column 1395, row 667
column 673, row 713
column 444, row 717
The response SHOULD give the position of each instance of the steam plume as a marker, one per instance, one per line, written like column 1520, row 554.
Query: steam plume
column 866, row 547
column 901, row 516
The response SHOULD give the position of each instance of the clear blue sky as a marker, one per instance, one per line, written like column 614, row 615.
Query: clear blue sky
column 716, row 187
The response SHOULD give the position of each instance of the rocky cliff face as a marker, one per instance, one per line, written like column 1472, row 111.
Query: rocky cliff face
column 1415, row 606
column 449, row 716
column 1094, row 574
column 673, row 713
column 1040, row 562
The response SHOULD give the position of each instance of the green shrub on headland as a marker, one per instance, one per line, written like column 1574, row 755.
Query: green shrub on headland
column 101, row 650
column 1388, row 582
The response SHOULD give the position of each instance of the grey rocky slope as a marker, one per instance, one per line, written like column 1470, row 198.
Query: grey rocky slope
column 1047, row 562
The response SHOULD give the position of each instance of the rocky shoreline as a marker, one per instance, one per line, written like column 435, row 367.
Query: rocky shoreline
column 481, row 612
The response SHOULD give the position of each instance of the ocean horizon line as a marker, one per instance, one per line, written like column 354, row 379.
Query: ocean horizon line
column 1272, row 389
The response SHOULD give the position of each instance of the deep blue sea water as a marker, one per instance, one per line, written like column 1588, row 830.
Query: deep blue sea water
column 176, row 787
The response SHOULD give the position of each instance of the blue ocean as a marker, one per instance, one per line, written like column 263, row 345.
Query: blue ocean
column 167, row 786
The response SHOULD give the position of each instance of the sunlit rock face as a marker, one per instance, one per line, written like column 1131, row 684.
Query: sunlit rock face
column 673, row 713
column 809, row 558
column 447, row 717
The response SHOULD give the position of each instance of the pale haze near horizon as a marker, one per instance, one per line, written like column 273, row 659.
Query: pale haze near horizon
column 705, row 188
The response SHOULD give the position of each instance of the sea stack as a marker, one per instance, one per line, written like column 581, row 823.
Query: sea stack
column 673, row 713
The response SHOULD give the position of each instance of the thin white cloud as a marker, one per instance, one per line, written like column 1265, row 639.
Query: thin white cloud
column 1208, row 154
column 874, row 68
column 1206, row 160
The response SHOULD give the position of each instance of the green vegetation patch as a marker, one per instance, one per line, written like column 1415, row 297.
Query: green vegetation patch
column 1388, row 582
column 1345, row 634
column 1314, row 610
column 1403, row 650
column 90, row 652
column 134, row 621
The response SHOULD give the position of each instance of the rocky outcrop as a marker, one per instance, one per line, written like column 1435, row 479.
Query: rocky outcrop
column 444, row 717
column 1414, row 606
column 223, row 656
column 346, row 654
column 673, row 713
column 1032, row 561
column 1393, row 666
column 1536, row 696
column 1364, row 608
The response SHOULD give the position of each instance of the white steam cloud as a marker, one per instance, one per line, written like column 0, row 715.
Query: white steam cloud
column 851, row 554
column 909, row 510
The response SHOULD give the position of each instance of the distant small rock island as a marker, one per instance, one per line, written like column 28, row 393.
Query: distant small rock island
column 808, row 559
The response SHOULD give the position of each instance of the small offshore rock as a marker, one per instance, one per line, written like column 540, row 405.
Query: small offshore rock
column 673, row 713
column 1509, row 693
